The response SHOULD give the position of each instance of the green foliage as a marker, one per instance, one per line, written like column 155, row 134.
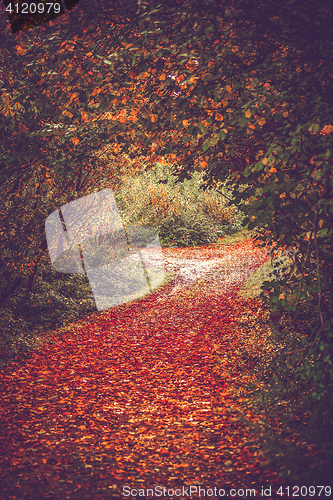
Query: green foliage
column 57, row 299
column 293, row 393
column 295, row 388
column 182, row 212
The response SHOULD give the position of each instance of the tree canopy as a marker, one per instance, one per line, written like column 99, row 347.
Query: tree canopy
column 241, row 90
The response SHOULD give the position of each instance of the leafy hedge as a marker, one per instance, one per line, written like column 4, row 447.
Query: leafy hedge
column 183, row 213
column 293, row 390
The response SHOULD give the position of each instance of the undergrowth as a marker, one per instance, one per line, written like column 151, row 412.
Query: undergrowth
column 292, row 387
column 183, row 213
column 56, row 299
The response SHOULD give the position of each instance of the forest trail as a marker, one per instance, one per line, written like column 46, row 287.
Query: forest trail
column 141, row 396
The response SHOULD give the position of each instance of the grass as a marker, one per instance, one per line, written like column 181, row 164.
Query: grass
column 252, row 287
column 234, row 239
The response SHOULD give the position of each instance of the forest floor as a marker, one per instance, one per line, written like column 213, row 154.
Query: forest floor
column 146, row 399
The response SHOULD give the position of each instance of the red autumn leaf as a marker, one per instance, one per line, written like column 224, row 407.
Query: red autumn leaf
column 139, row 391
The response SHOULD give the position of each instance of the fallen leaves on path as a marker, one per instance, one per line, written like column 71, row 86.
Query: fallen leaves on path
column 141, row 395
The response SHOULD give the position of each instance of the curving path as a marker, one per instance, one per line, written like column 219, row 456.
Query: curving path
column 134, row 398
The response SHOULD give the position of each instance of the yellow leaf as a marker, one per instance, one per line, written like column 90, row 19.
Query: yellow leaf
column 248, row 113
column 262, row 122
column 185, row 123
column 73, row 96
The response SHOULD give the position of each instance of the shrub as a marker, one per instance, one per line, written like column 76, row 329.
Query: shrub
column 293, row 397
column 56, row 299
column 183, row 213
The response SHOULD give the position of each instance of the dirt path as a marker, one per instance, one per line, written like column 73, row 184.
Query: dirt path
column 224, row 269
column 133, row 398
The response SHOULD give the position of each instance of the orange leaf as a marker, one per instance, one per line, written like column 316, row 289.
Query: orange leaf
column 84, row 116
column 67, row 113
column 327, row 129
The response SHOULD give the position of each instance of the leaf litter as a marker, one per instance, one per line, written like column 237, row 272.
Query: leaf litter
column 144, row 394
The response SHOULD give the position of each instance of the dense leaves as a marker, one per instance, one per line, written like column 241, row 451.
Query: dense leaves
column 183, row 213
column 238, row 89
column 241, row 90
column 140, row 395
